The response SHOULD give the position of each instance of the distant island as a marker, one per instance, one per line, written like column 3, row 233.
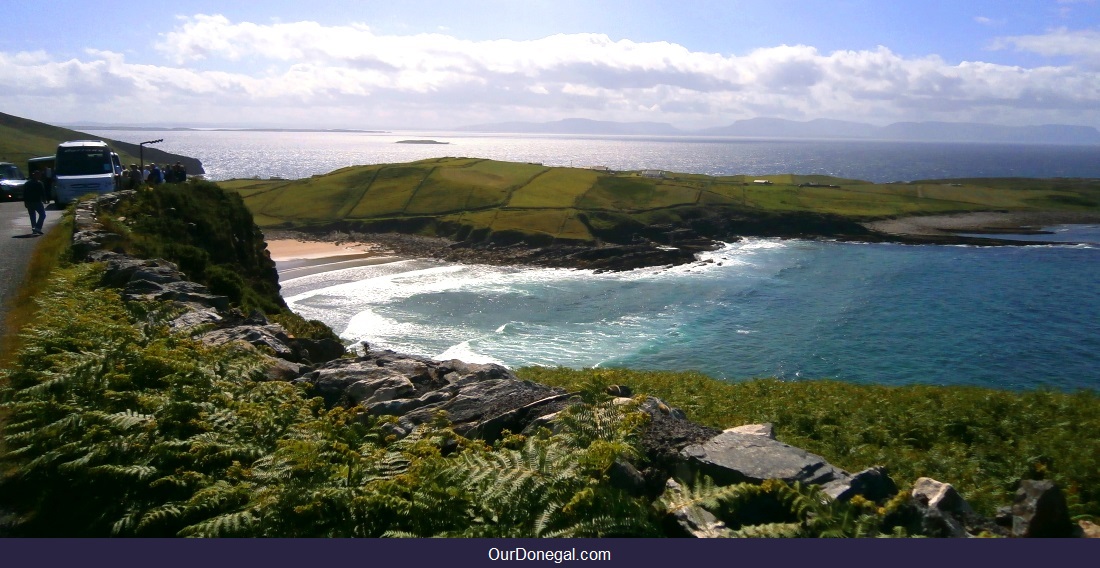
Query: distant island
column 421, row 142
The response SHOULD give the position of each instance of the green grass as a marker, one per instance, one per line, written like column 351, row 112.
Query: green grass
column 980, row 440
column 554, row 188
column 21, row 139
column 446, row 189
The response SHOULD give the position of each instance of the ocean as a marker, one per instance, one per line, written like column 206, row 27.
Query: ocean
column 295, row 155
column 1004, row 317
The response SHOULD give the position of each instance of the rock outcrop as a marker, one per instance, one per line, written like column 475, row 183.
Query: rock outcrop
column 1040, row 510
column 735, row 457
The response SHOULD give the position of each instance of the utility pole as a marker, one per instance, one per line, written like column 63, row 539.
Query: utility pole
column 141, row 150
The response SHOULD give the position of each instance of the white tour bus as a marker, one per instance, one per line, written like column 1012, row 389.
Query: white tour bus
column 84, row 166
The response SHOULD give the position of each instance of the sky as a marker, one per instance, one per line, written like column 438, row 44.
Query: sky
column 420, row 64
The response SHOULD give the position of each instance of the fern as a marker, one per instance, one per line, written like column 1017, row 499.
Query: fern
column 555, row 485
column 769, row 530
column 776, row 509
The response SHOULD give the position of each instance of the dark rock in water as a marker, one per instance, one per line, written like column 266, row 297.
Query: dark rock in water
column 1039, row 510
column 420, row 142
column 732, row 457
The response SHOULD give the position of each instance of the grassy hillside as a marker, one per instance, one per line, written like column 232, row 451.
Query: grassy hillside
column 460, row 197
column 21, row 139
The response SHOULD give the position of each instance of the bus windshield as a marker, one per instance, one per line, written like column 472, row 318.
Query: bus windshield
column 83, row 161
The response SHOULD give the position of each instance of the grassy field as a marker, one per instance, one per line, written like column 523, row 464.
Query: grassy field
column 493, row 197
column 21, row 139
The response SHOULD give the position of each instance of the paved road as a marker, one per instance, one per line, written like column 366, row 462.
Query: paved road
column 16, row 244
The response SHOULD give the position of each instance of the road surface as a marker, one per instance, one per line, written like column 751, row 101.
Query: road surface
column 16, row 244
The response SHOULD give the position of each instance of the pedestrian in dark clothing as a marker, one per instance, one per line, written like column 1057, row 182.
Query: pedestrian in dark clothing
column 155, row 176
column 180, row 172
column 136, row 179
column 34, row 197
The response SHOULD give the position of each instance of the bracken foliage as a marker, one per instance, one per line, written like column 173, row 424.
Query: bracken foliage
column 983, row 441
column 775, row 509
column 117, row 427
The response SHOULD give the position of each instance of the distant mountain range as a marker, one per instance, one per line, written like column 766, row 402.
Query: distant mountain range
column 816, row 129
column 100, row 126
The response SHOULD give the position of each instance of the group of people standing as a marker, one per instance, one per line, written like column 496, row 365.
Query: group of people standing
column 35, row 193
column 153, row 174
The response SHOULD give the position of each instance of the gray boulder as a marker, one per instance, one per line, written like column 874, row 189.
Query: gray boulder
column 1040, row 510
column 941, row 507
column 873, row 483
column 269, row 337
column 733, row 457
column 178, row 291
column 196, row 318
column 488, row 404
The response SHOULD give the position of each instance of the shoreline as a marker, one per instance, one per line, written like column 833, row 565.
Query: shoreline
column 299, row 253
column 981, row 222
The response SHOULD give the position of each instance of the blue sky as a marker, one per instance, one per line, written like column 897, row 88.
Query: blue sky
column 421, row 64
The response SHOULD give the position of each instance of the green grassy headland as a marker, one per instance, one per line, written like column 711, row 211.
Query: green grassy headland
column 467, row 198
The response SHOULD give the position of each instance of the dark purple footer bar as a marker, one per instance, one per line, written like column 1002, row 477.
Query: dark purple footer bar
column 445, row 553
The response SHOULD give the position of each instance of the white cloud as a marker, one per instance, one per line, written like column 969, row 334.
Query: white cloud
column 1083, row 44
column 347, row 75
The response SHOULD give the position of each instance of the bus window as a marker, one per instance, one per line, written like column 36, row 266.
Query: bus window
column 83, row 161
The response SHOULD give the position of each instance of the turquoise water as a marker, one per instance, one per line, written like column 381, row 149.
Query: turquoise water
column 1006, row 317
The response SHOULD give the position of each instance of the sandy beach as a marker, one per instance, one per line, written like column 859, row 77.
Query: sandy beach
column 295, row 258
column 980, row 222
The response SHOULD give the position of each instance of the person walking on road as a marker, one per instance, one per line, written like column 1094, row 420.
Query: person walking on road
column 34, row 197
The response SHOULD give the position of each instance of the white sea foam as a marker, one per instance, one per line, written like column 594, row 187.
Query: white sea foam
column 463, row 352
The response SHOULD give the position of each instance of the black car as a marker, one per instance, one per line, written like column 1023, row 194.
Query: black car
column 11, row 181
